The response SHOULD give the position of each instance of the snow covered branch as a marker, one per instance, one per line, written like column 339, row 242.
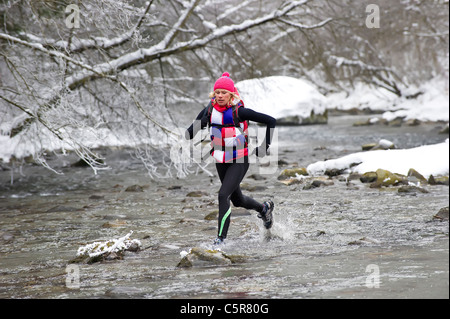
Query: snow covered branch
column 307, row 27
column 165, row 49
column 77, row 45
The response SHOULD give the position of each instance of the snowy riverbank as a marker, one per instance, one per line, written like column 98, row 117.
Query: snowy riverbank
column 428, row 160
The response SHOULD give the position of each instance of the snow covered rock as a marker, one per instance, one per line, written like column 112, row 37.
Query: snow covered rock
column 107, row 250
column 291, row 101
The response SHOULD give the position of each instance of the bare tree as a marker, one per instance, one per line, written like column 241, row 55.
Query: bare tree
column 69, row 83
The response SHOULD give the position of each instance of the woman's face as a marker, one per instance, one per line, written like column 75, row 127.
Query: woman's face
column 223, row 97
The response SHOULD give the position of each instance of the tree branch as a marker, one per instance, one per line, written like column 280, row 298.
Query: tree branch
column 307, row 27
column 80, row 45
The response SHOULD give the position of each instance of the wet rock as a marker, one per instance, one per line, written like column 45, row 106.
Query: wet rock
column 252, row 188
column 369, row 177
column 197, row 194
column 363, row 123
column 368, row 147
column 413, row 122
column 318, row 183
column 96, row 197
column 257, row 177
column 412, row 189
column 212, row 216
column 413, row 173
column 282, row 162
column 134, row 188
column 381, row 145
column 438, row 180
column 200, row 257
column 298, row 120
column 292, row 172
column 442, row 214
column 354, row 176
column 334, row 172
column 189, row 221
column 386, row 178
column 397, row 122
column 289, row 120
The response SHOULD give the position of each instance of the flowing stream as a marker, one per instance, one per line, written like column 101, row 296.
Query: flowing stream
column 345, row 240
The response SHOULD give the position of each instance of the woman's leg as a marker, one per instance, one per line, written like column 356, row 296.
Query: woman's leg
column 231, row 175
column 240, row 200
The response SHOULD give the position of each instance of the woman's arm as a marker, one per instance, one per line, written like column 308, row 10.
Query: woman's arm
column 250, row 115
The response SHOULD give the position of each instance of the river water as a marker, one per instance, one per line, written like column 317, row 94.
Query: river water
column 345, row 240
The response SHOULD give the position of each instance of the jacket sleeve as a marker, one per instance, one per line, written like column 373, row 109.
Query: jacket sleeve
column 200, row 122
column 250, row 115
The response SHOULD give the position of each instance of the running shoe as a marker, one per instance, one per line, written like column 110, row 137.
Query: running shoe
column 218, row 242
column 266, row 214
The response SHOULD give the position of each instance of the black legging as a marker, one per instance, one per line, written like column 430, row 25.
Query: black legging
column 231, row 175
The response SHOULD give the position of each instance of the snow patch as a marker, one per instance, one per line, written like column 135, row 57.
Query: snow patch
column 428, row 160
column 281, row 96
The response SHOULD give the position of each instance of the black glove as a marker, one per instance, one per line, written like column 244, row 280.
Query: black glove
column 262, row 151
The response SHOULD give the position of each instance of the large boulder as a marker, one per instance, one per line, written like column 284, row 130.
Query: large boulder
column 291, row 101
column 387, row 178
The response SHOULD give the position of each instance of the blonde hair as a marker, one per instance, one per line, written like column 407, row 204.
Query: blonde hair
column 234, row 99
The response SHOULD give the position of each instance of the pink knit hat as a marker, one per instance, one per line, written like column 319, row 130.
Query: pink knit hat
column 225, row 83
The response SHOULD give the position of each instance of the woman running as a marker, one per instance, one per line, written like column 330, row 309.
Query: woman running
column 228, row 121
